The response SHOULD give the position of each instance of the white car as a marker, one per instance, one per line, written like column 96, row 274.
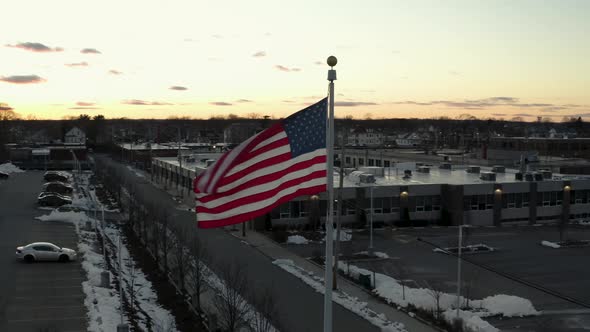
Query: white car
column 45, row 251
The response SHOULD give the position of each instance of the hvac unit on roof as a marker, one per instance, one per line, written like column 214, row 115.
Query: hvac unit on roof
column 445, row 166
column 488, row 176
column 473, row 169
column 499, row 169
column 423, row 169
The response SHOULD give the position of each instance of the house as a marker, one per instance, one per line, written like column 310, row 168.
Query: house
column 75, row 136
column 365, row 137
column 409, row 140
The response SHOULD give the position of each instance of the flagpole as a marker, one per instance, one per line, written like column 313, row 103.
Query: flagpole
column 330, row 215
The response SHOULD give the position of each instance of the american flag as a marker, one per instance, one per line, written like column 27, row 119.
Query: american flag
column 272, row 167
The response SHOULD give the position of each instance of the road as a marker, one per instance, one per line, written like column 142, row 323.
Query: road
column 43, row 296
column 300, row 306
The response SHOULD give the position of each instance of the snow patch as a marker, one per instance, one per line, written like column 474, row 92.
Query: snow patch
column 344, row 236
column 550, row 244
column 9, row 168
column 138, row 174
column 391, row 291
column 297, row 239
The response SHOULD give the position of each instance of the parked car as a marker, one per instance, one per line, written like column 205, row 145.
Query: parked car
column 3, row 175
column 45, row 251
column 53, row 199
column 56, row 176
column 58, row 187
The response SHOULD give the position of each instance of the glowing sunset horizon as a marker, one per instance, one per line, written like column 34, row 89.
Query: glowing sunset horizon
column 201, row 59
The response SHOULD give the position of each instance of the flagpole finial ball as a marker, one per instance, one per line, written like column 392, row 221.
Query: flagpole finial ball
column 332, row 61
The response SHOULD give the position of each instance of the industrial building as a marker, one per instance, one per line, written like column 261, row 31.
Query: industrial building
column 415, row 194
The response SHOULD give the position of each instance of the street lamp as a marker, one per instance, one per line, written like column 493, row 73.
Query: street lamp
column 371, row 224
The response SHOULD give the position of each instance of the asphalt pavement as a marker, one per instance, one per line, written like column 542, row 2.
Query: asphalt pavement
column 43, row 296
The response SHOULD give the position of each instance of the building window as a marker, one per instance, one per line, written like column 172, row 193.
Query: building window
column 378, row 162
column 347, row 160
column 371, row 162
column 386, row 163
column 361, row 162
column 284, row 211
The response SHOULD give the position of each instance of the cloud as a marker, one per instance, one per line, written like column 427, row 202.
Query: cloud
column 523, row 114
column 84, row 103
column 84, row 108
column 244, row 101
column 454, row 73
column 143, row 102
column 90, row 51
column 220, row 103
column 115, row 72
column 259, row 54
column 178, row 88
column 481, row 103
column 319, row 63
column 288, row 101
column 5, row 107
column 499, row 114
column 22, row 79
column 353, row 103
column 553, row 109
column 36, row 47
column 217, row 36
column 77, row 64
column 286, row 69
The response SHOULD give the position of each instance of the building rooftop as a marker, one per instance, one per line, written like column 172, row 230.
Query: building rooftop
column 392, row 176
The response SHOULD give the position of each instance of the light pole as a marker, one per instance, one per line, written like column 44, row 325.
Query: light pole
column 459, row 271
column 371, row 223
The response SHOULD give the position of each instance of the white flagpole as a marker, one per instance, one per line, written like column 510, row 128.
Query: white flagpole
column 330, row 215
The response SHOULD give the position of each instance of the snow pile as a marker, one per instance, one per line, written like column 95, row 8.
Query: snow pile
column 550, row 244
column 344, row 236
column 345, row 300
column 375, row 253
column 584, row 222
column 380, row 254
column 10, row 168
column 297, row 239
column 391, row 291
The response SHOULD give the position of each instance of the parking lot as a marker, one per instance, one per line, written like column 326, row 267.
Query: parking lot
column 519, row 254
column 43, row 296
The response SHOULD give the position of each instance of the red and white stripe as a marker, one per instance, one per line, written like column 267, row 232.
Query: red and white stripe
column 255, row 177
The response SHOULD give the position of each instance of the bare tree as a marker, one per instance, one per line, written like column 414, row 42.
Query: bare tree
column 132, row 287
column 197, row 270
column 164, row 238
column 470, row 279
column 229, row 300
column 181, row 256
column 264, row 316
column 436, row 292
column 401, row 273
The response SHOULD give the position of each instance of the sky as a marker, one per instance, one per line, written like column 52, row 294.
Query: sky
column 421, row 59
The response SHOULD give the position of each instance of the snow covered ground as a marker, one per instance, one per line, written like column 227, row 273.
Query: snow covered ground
column 103, row 304
column 391, row 291
column 340, row 297
column 9, row 168
column 344, row 235
column 136, row 172
column 375, row 253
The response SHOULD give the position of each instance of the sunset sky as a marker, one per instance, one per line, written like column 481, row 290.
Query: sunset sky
column 156, row 59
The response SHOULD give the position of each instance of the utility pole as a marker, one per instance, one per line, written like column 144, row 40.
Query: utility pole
column 179, row 163
column 340, row 206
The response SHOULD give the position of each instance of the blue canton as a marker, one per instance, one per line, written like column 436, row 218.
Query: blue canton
column 306, row 129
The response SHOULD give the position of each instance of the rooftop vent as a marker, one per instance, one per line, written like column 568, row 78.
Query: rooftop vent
column 423, row 169
column 547, row 174
column 408, row 172
column 445, row 166
column 518, row 176
column 499, row 169
column 488, row 176
column 529, row 177
column 473, row 169
column 209, row 162
column 538, row 176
